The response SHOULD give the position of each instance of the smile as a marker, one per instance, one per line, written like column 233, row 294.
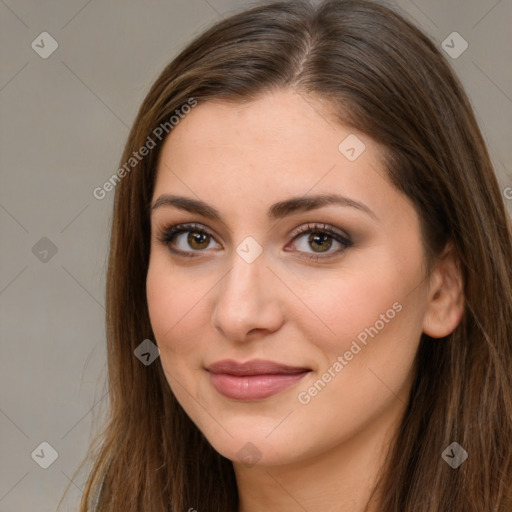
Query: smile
column 253, row 380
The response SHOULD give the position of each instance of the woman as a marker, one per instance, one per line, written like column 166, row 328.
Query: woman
column 311, row 232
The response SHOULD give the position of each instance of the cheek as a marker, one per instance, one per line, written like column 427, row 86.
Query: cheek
column 176, row 312
column 376, row 333
column 175, row 305
column 373, row 312
column 351, row 306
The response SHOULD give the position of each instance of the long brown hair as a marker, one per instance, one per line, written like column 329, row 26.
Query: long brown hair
column 385, row 78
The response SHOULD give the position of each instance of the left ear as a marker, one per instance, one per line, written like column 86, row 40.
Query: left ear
column 445, row 301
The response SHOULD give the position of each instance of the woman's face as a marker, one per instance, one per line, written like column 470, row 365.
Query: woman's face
column 335, row 313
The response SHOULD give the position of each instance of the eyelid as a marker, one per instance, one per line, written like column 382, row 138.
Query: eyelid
column 336, row 234
column 320, row 226
column 165, row 235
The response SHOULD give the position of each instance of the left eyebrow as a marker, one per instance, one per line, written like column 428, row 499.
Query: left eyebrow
column 278, row 210
column 306, row 203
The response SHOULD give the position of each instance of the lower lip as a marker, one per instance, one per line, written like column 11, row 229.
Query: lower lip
column 253, row 387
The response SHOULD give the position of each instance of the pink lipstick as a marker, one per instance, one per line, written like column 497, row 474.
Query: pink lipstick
column 253, row 380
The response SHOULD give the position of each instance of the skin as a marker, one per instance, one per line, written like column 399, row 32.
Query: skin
column 241, row 159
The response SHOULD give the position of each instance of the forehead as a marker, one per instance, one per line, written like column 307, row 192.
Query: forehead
column 259, row 152
column 277, row 125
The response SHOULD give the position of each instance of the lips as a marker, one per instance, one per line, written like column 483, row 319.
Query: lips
column 253, row 380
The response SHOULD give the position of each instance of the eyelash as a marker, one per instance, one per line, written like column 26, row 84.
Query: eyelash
column 167, row 235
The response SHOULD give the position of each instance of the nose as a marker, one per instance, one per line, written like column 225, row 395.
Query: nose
column 247, row 300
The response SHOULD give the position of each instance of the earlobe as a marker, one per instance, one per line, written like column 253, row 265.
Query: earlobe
column 445, row 301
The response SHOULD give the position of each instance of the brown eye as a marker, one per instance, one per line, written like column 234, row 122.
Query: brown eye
column 320, row 240
column 316, row 239
column 197, row 239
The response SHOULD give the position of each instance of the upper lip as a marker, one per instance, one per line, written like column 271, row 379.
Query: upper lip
column 253, row 367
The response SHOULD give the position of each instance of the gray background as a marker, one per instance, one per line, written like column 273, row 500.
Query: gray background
column 64, row 121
